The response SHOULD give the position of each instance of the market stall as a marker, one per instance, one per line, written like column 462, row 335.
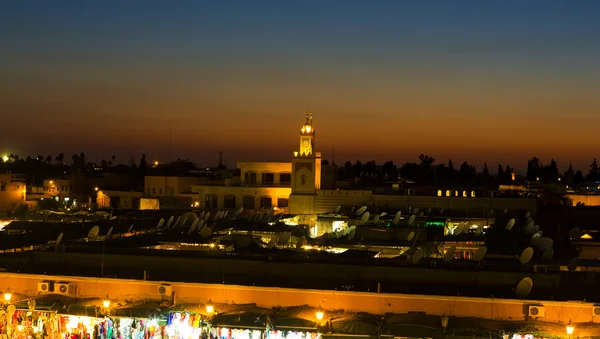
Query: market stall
column 238, row 326
column 183, row 325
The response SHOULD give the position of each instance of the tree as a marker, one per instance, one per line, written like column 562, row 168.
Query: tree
column 500, row 175
column 485, row 173
column 60, row 157
column 426, row 161
column 389, row 171
column 593, row 172
column 75, row 159
column 40, row 158
column 569, row 175
column 549, row 174
column 467, row 173
column 113, row 159
column 49, row 159
column 533, row 168
column 450, row 173
column 578, row 178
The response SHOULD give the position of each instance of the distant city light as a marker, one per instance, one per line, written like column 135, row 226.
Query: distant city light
column 5, row 158
column 156, row 163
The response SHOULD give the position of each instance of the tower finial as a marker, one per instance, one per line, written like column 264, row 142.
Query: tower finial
column 311, row 118
column 307, row 117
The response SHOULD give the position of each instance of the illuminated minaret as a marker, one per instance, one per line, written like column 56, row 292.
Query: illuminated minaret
column 306, row 164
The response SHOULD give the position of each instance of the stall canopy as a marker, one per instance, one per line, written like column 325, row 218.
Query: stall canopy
column 357, row 324
column 241, row 321
column 293, row 324
column 414, row 325
column 79, row 311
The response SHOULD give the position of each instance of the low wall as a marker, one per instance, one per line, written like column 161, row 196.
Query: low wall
column 24, row 286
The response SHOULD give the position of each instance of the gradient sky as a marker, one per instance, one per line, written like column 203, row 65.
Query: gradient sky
column 386, row 80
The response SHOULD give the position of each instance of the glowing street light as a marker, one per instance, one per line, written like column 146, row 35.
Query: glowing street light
column 106, row 302
column 96, row 188
column 7, row 295
column 5, row 158
column 320, row 313
column 209, row 308
column 570, row 327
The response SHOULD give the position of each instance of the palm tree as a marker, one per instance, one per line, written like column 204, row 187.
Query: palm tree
column 60, row 157
column 114, row 160
column 49, row 159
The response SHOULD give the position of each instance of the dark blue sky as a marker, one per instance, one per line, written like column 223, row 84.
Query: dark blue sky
column 496, row 81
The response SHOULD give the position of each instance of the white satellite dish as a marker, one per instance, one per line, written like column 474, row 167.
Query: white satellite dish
column 450, row 254
column 421, row 214
column 397, row 217
column 459, row 228
column 160, row 223
column 524, row 287
column 548, row 254
column 205, row 232
column 376, row 219
column 416, row 257
column 573, row 264
column 361, row 210
column 365, row 217
column 411, row 236
column 130, row 228
column 93, row 233
column 530, row 224
column 527, row 215
column 411, row 219
column 59, row 239
column 108, row 234
column 206, row 216
column 177, row 221
column 526, row 255
column 352, row 209
column 272, row 242
column 170, row 221
column 429, row 210
column 480, row 253
column 337, row 209
column 510, row 224
column 382, row 214
column 415, row 211
column 545, row 243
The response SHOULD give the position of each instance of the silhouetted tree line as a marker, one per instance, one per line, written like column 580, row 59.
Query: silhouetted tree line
column 426, row 172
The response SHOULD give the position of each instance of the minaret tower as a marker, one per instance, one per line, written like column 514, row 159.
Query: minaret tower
column 306, row 171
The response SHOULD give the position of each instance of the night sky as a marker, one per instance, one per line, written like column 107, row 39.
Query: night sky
column 386, row 80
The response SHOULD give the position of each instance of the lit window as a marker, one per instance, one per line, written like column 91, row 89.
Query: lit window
column 472, row 194
column 439, row 193
column 448, row 193
column 464, row 194
column 456, row 193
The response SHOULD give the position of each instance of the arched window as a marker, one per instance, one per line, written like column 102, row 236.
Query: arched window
column 303, row 180
column 439, row 193
column 464, row 194
column 448, row 193
column 472, row 194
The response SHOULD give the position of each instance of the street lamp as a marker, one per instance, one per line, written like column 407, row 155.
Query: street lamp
column 570, row 327
column 320, row 313
column 106, row 302
column 209, row 307
column 445, row 322
column 7, row 296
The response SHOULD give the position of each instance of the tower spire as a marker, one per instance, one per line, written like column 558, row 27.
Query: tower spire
column 307, row 119
column 311, row 118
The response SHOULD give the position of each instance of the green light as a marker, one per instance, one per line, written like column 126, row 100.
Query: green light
column 435, row 223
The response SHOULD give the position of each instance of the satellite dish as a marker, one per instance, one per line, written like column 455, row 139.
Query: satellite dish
column 548, row 254
column 93, row 233
column 130, row 228
column 416, row 257
column 365, row 217
column 170, row 221
column 421, row 214
column 510, row 224
column 160, row 223
column 450, row 254
column 415, row 211
column 545, row 243
column 361, row 210
column 575, row 233
column 481, row 252
column 109, row 232
column 459, row 228
column 411, row 236
column 300, row 243
column 193, row 226
column 272, row 242
column 352, row 233
column 397, row 217
column 429, row 210
column 59, row 239
column 526, row 255
column 411, row 219
column 177, row 221
column 383, row 214
column 376, row 219
column 337, row 209
column 524, row 287
column 442, row 211
column 505, row 210
column 205, row 232
column 527, row 215
column 573, row 264
column 530, row 224
column 206, row 216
